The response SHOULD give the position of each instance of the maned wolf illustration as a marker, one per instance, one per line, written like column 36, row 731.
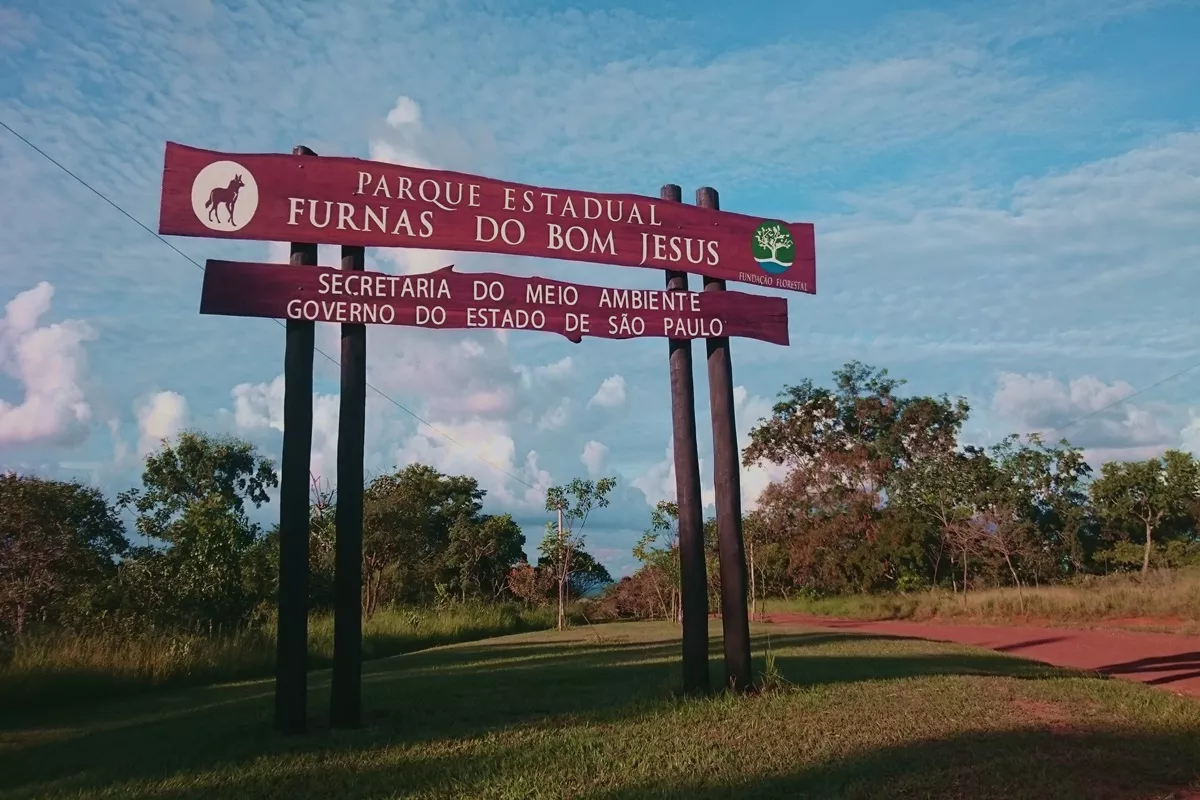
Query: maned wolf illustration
column 227, row 196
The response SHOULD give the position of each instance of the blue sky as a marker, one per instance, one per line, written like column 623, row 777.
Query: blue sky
column 1006, row 199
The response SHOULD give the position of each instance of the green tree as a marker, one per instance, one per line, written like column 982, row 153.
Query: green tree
column 407, row 519
column 194, row 498
column 1042, row 487
column 58, row 545
column 572, row 504
column 843, row 449
column 658, row 550
column 483, row 553
column 944, row 487
column 1147, row 495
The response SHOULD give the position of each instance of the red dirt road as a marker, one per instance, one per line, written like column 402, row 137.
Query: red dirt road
column 1168, row 661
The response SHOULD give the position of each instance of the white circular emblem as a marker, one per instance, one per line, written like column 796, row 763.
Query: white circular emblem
column 224, row 196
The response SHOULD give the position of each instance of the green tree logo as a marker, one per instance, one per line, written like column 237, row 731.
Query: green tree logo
column 773, row 247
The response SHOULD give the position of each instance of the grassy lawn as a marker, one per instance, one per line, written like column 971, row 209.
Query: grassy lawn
column 589, row 713
column 1167, row 600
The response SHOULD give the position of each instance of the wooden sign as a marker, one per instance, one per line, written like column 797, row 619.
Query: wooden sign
column 349, row 201
column 449, row 299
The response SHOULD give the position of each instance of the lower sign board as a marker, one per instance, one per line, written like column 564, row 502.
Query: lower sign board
column 449, row 299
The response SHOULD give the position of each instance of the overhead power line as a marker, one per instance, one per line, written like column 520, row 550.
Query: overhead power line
column 200, row 266
column 1124, row 399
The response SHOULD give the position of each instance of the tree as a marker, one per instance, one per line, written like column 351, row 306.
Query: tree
column 58, row 540
column 773, row 238
column 765, row 558
column 1148, row 495
column 194, row 498
column 658, row 550
column 1039, row 488
column 529, row 583
column 407, row 519
column 943, row 487
column 322, row 538
column 483, row 553
column 843, row 449
column 573, row 504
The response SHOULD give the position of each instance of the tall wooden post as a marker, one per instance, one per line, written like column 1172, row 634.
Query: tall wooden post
column 291, row 653
column 693, row 583
column 727, row 480
column 346, row 691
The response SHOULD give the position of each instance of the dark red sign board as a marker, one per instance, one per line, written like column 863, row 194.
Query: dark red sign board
column 350, row 201
column 449, row 299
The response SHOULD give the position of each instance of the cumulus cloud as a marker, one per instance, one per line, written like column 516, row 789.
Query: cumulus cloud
column 594, row 456
column 50, row 365
column 258, row 407
column 610, row 394
column 557, row 371
column 484, row 449
column 1083, row 411
column 556, row 416
column 405, row 140
column 161, row 415
column 1190, row 435
column 658, row 481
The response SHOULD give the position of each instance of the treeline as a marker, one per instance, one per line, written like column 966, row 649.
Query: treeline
column 880, row 496
column 195, row 561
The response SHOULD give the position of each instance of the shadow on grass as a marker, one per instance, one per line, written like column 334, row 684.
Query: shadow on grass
column 468, row 691
column 1027, row 764
column 1032, row 764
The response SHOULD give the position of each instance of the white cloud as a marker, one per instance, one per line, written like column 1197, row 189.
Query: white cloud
column 160, row 416
column 594, row 456
column 1045, row 404
column 50, row 365
column 657, row 483
column 406, row 112
column 556, row 416
column 484, row 449
column 258, row 407
column 1043, row 401
column 405, row 141
column 611, row 393
column 748, row 410
column 1190, row 435
column 557, row 371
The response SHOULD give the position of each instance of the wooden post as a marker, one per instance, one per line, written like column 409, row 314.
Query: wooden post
column 291, row 653
column 727, row 481
column 346, row 690
column 693, row 582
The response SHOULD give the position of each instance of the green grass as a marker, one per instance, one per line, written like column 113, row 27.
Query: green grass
column 590, row 713
column 65, row 669
column 1167, row 600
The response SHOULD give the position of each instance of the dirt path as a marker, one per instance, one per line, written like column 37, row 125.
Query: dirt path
column 1168, row 661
